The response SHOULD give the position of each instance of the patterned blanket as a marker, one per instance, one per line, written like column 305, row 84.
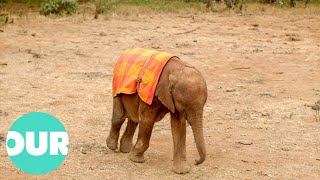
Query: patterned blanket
column 138, row 70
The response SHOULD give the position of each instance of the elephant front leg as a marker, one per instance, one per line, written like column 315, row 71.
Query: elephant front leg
column 142, row 144
column 178, row 128
column 126, row 139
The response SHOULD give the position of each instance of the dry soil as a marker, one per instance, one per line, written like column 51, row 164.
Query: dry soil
column 262, row 72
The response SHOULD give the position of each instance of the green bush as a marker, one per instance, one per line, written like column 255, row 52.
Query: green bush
column 103, row 6
column 60, row 7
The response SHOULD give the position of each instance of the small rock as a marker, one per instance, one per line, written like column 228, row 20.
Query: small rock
column 290, row 115
column 315, row 107
column 35, row 55
column 245, row 142
column 294, row 39
column 254, row 29
column 265, row 114
column 240, row 85
column 155, row 47
column 2, row 139
column 102, row 34
column 33, row 34
column 4, row 114
column 317, row 90
column 285, row 149
column 1, row 30
column 287, row 116
column 230, row 90
column 257, row 50
column 188, row 53
column 180, row 45
column 266, row 94
column 83, row 151
column 265, row 174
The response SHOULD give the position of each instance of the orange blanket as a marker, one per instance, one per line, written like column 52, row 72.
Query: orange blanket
column 138, row 70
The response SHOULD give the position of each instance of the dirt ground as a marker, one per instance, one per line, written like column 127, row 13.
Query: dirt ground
column 262, row 73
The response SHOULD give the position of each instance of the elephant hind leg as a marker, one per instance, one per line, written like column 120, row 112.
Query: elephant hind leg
column 118, row 117
column 126, row 139
column 142, row 144
column 148, row 116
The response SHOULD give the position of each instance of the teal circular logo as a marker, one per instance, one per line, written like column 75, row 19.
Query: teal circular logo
column 37, row 143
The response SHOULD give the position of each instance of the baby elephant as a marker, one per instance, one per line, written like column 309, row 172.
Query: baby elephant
column 180, row 90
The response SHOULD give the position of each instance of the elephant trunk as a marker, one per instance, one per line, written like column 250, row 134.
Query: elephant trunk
column 197, row 129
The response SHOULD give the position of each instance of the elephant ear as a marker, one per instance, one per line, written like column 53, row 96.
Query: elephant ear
column 164, row 91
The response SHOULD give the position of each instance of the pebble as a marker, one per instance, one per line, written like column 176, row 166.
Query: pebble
column 230, row 90
column 265, row 114
column 245, row 142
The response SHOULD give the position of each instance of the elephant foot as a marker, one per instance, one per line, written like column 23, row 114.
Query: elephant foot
column 136, row 159
column 112, row 143
column 181, row 168
column 125, row 147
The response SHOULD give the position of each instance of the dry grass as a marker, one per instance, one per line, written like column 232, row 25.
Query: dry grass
column 136, row 10
column 257, row 8
column 248, row 8
column 153, row 7
column 9, row 12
